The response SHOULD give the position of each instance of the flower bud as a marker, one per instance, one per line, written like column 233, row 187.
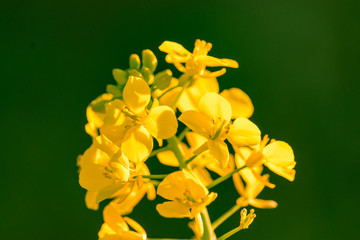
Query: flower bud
column 149, row 60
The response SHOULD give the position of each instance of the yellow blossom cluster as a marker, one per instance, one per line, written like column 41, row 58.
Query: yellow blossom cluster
column 207, row 132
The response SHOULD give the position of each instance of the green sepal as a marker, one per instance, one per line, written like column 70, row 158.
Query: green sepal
column 99, row 106
column 114, row 90
column 120, row 76
column 163, row 79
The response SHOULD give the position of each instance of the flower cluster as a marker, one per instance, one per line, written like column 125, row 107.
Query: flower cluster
column 216, row 136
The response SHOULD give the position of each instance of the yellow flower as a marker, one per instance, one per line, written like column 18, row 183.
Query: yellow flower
column 158, row 122
column 189, row 99
column 126, row 200
column 200, row 164
column 103, row 165
column 115, row 122
column 253, row 187
column 195, row 62
column 107, row 173
column 95, row 119
column 213, row 122
column 278, row 156
column 116, row 227
column 188, row 196
column 240, row 102
column 130, row 124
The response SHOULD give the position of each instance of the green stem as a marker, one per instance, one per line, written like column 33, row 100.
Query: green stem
column 194, row 156
column 167, row 91
column 155, row 176
column 229, row 234
column 223, row 178
column 182, row 134
column 153, row 153
column 225, row 216
column 174, row 146
column 208, row 230
column 155, row 182
column 191, row 158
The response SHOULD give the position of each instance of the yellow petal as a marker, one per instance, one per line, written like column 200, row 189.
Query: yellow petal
column 106, row 232
column 240, row 102
column 173, row 209
column 109, row 191
column 197, row 208
column 114, row 114
column 94, row 155
column 115, row 121
column 260, row 203
column 168, row 158
column 161, row 122
column 253, row 185
column 137, row 144
column 105, row 145
column 216, row 62
column 195, row 140
column 214, row 166
column 174, row 48
column 169, row 98
column 132, row 198
column 219, row 150
column 201, row 174
column 239, row 185
column 280, row 159
column 198, row 122
column 136, row 94
column 150, row 191
column 92, row 178
column 95, row 119
column 114, row 219
column 90, row 200
column 119, row 165
column 241, row 155
column 175, row 185
column 136, row 226
column 215, row 107
column 243, row 133
column 191, row 96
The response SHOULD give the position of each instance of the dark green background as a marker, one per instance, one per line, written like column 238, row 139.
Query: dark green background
column 299, row 62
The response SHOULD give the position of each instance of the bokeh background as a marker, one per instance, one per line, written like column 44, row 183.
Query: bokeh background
column 299, row 62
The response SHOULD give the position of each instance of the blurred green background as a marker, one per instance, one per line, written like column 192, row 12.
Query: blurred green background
column 299, row 62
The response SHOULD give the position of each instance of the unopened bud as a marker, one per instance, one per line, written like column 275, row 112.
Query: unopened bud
column 134, row 61
column 149, row 60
